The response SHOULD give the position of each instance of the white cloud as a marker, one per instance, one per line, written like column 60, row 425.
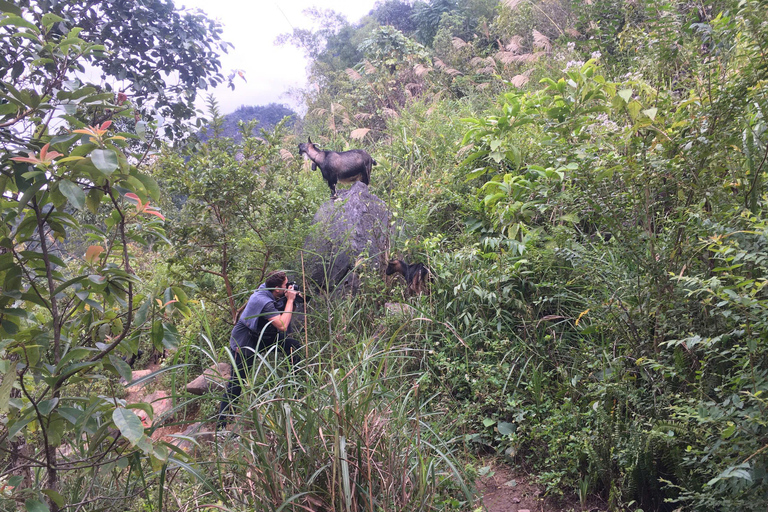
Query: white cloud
column 252, row 28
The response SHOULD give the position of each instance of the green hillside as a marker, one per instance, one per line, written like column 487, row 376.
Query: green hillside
column 586, row 180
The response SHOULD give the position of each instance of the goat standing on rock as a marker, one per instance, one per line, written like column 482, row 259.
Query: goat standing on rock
column 345, row 167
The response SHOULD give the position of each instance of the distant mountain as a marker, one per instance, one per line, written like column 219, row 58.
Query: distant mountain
column 267, row 115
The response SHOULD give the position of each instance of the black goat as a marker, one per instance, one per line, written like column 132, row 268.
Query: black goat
column 417, row 275
column 345, row 167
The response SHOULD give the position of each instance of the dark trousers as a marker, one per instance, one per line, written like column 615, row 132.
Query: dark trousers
column 244, row 359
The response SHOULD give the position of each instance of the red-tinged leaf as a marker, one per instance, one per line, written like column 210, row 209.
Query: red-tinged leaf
column 30, row 159
column 155, row 213
column 93, row 253
column 133, row 197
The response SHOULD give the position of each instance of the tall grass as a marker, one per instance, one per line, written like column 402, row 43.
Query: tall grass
column 345, row 430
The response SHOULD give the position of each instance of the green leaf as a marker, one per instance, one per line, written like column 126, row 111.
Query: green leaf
column 179, row 294
column 49, row 19
column 93, row 199
column 8, row 109
column 55, row 497
column 122, row 367
column 141, row 130
column 626, row 95
column 506, row 428
column 5, row 388
column 634, row 109
column 150, row 185
column 36, row 506
column 46, row 406
column 11, row 8
column 18, row 21
column 18, row 426
column 67, row 284
column 73, row 193
column 157, row 334
column 105, row 160
column 71, row 414
column 129, row 424
column 141, row 314
column 651, row 112
column 488, row 422
column 170, row 337
column 30, row 192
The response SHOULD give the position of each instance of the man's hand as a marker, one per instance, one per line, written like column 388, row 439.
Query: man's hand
column 290, row 294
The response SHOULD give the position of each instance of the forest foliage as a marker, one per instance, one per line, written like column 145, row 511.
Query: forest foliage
column 586, row 180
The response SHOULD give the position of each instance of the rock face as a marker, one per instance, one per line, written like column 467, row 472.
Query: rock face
column 355, row 224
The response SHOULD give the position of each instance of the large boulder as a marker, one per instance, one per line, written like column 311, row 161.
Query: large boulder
column 354, row 225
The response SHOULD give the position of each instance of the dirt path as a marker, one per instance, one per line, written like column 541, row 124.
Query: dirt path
column 506, row 489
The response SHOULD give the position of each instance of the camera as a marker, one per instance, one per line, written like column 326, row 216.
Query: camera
column 292, row 285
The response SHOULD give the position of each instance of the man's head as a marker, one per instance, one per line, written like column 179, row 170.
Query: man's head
column 277, row 282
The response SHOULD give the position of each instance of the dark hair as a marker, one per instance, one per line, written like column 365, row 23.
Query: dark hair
column 275, row 279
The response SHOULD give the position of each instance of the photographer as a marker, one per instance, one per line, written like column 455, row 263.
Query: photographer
column 266, row 320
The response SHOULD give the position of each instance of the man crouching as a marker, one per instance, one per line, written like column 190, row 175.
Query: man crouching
column 260, row 326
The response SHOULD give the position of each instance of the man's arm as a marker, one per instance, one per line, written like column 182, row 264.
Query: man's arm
column 282, row 321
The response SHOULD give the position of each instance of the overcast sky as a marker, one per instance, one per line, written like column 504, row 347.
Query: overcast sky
column 252, row 27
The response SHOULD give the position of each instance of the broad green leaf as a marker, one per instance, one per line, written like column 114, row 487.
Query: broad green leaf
column 30, row 192
column 179, row 294
column 506, row 428
column 129, row 424
column 46, row 406
column 634, row 109
column 144, row 406
column 626, row 95
column 18, row 21
column 71, row 414
column 105, row 160
column 157, row 334
column 651, row 112
column 141, row 314
column 16, row 427
column 36, row 506
column 10, row 7
column 170, row 337
column 49, row 19
column 93, row 199
column 122, row 367
column 141, row 130
column 67, row 284
column 56, row 427
column 488, row 422
column 73, row 193
column 5, row 388
column 55, row 497
column 8, row 109
column 137, row 186
column 150, row 185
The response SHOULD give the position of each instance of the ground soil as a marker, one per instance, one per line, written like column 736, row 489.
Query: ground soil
column 505, row 489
